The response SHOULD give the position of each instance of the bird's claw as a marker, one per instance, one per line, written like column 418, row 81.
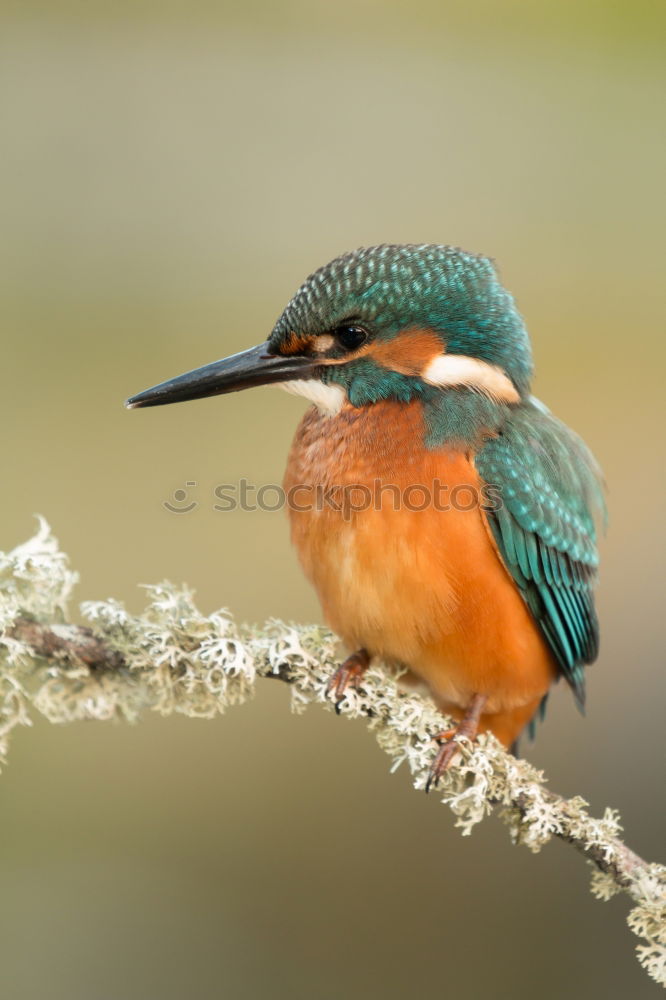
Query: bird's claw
column 449, row 740
column 348, row 674
column 448, row 747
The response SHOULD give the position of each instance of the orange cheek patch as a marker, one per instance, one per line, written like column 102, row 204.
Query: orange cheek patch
column 295, row 344
column 408, row 353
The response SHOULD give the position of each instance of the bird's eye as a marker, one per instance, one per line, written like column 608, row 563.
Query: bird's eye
column 350, row 336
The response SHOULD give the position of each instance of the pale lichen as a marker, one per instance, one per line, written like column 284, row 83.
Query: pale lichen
column 172, row 658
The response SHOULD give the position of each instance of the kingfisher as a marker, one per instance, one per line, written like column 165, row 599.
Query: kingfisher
column 462, row 547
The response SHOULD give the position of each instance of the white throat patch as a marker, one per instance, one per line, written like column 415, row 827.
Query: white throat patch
column 327, row 398
column 458, row 370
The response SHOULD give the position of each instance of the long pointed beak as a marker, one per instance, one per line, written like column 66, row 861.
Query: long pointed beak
column 241, row 371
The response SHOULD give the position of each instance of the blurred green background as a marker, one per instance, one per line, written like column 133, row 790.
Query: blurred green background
column 170, row 173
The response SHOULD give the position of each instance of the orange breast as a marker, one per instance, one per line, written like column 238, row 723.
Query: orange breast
column 393, row 537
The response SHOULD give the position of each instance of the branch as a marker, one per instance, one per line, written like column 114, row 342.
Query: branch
column 172, row 659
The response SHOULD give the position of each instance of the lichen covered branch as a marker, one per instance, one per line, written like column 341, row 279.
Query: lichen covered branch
column 172, row 658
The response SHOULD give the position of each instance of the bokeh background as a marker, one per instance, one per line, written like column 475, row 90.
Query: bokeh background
column 170, row 173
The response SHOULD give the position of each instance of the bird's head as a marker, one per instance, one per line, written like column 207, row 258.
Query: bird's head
column 385, row 322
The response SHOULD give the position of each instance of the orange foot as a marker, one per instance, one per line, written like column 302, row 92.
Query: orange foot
column 448, row 740
column 348, row 673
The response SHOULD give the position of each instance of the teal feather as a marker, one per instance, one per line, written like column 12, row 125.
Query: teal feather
column 552, row 495
column 533, row 558
column 520, row 546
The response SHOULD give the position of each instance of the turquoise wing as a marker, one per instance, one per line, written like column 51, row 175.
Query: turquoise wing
column 550, row 499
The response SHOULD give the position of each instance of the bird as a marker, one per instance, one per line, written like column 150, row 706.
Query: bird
column 447, row 520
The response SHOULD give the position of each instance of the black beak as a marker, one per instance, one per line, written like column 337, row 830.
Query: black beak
column 241, row 371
